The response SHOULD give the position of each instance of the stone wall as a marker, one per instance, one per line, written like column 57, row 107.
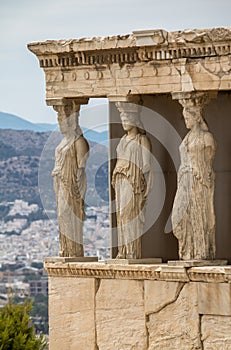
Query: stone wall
column 152, row 307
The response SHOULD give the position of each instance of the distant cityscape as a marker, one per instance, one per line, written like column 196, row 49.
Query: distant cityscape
column 24, row 243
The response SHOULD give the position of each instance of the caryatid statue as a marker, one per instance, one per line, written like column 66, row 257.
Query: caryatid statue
column 193, row 216
column 132, row 180
column 69, row 178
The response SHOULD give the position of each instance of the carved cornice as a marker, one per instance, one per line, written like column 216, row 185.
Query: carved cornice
column 145, row 62
column 139, row 272
column 142, row 46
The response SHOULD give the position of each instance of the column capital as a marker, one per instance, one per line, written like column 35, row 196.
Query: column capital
column 65, row 100
column 131, row 112
column 137, row 99
column 65, row 107
column 127, row 107
column 194, row 98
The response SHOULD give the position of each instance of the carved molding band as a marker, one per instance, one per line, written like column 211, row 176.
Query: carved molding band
column 139, row 272
column 133, row 55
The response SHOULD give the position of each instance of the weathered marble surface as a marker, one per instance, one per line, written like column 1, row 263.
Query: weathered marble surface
column 176, row 326
column 193, row 216
column 69, row 178
column 219, row 293
column 158, row 37
column 191, row 263
column 78, row 259
column 132, row 180
column 159, row 294
column 124, row 310
column 145, row 62
column 71, row 313
column 114, row 300
column 216, row 334
column 147, row 261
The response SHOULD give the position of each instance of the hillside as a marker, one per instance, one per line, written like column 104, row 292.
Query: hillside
column 14, row 122
column 20, row 159
column 11, row 121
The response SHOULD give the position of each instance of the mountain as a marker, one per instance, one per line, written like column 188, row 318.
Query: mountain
column 95, row 136
column 11, row 121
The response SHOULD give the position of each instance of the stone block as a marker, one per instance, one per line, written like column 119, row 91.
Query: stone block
column 120, row 320
column 216, row 332
column 71, row 259
column 191, row 263
column 158, row 294
column 214, row 299
column 71, row 313
column 134, row 261
column 177, row 325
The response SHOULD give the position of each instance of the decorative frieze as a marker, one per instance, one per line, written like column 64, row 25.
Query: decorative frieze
column 101, row 270
column 210, row 274
column 159, row 272
column 130, row 56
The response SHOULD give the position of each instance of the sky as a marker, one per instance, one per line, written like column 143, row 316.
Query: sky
column 22, row 82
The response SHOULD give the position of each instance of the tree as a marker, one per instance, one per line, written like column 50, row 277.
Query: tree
column 16, row 329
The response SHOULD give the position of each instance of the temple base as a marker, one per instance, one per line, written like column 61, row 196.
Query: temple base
column 70, row 259
column 134, row 261
column 191, row 263
column 92, row 303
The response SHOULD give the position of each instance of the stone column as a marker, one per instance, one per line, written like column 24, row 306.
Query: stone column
column 193, row 216
column 69, row 177
column 132, row 181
